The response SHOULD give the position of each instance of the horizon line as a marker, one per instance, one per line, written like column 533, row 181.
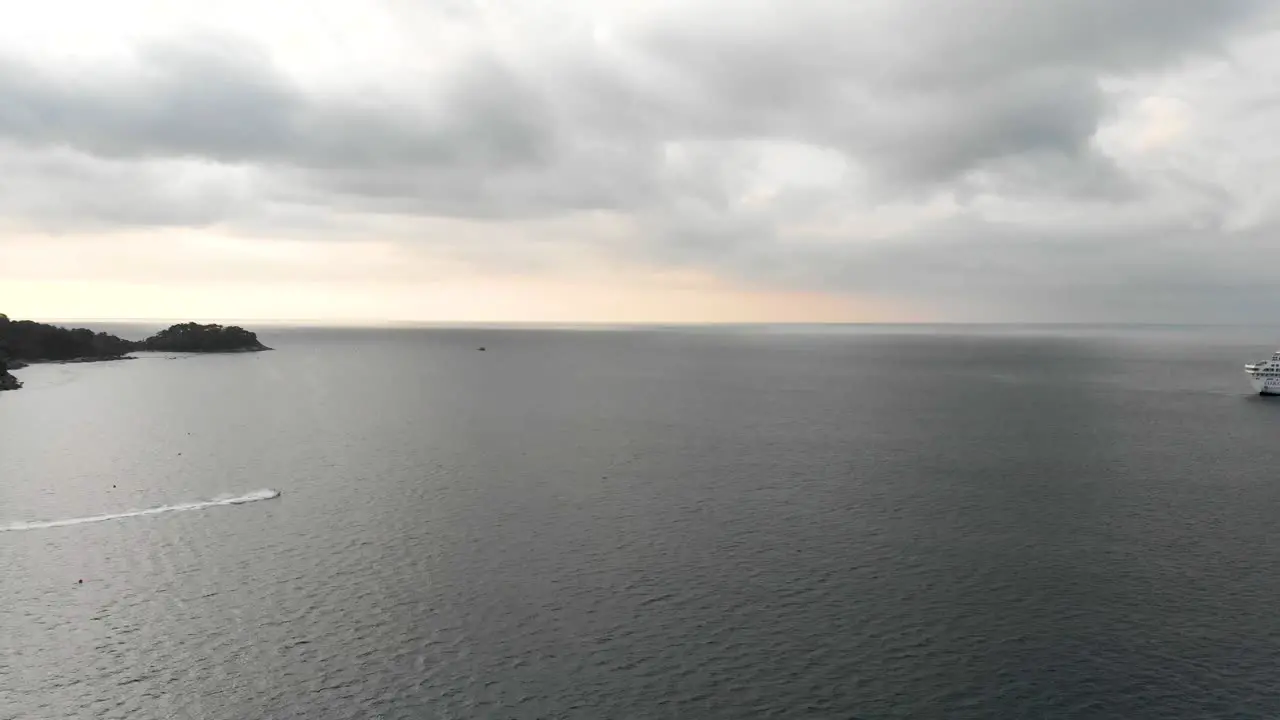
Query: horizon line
column 317, row 322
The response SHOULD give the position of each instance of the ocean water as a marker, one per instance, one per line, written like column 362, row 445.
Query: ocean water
column 806, row 522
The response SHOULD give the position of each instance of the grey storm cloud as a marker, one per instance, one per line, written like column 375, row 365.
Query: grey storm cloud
column 969, row 98
column 929, row 91
column 225, row 102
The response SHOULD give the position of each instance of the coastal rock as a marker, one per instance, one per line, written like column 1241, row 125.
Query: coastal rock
column 7, row 380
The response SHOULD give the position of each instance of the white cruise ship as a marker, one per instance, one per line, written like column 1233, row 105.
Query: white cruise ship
column 1265, row 376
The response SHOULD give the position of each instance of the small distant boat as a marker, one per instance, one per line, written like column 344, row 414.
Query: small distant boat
column 1265, row 376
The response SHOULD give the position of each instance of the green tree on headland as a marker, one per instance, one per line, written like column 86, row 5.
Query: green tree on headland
column 28, row 340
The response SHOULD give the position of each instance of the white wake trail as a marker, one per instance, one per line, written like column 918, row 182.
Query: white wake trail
column 41, row 524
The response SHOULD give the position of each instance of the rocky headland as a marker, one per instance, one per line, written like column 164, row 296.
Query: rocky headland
column 25, row 341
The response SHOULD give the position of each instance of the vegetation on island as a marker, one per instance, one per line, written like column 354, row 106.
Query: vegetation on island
column 23, row 341
column 193, row 337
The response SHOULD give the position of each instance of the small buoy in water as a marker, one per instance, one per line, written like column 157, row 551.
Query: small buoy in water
column 80, row 581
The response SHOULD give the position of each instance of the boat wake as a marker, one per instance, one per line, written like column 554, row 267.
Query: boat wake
column 242, row 499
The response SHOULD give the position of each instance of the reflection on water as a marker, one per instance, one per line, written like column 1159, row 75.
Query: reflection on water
column 821, row 522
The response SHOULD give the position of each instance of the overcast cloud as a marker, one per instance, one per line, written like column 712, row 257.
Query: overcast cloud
column 975, row 159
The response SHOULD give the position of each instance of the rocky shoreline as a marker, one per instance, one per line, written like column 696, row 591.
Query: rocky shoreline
column 7, row 380
column 72, row 361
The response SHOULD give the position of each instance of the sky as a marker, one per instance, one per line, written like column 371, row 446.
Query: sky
column 355, row 161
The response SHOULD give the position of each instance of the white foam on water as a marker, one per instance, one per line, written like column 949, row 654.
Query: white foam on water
column 41, row 524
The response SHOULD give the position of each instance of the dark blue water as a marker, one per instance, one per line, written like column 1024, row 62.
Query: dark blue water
column 685, row 523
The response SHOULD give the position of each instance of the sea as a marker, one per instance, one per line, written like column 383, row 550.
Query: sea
column 986, row 521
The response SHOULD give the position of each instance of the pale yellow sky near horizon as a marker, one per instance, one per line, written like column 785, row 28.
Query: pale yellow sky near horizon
column 481, row 300
column 186, row 275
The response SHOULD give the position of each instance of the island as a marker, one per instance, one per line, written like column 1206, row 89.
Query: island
column 26, row 341
column 193, row 337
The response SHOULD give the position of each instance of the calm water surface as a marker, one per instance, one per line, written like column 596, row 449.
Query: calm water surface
column 685, row 523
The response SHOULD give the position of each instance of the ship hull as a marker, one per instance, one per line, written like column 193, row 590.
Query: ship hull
column 1265, row 386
